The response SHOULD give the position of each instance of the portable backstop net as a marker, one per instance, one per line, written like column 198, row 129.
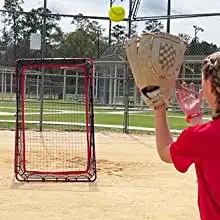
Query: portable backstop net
column 54, row 138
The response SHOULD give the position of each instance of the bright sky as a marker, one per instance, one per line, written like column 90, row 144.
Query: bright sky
column 147, row 8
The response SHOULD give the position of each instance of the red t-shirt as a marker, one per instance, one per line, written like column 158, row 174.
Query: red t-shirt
column 200, row 145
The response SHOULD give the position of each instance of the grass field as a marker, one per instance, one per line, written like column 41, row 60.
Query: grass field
column 71, row 113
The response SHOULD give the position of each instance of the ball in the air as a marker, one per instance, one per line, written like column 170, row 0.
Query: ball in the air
column 117, row 13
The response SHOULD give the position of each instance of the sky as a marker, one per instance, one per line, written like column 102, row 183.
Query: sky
column 147, row 8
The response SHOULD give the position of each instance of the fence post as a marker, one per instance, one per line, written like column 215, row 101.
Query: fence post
column 2, row 86
column 64, row 84
column 126, row 100
column 126, row 85
column 43, row 70
column 11, row 84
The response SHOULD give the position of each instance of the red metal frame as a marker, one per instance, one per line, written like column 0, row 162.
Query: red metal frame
column 23, row 147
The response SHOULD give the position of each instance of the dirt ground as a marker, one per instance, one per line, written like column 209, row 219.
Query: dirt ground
column 132, row 184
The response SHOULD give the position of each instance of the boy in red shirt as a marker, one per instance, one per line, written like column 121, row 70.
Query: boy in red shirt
column 199, row 144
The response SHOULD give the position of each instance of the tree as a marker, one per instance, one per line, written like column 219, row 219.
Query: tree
column 86, row 40
column 12, row 20
column 201, row 48
column 119, row 33
column 196, row 48
column 77, row 44
column 133, row 29
column 152, row 26
column 185, row 37
column 18, row 27
column 12, row 30
column 34, row 22
column 93, row 32
column 80, row 22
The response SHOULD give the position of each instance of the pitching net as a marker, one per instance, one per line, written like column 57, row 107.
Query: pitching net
column 54, row 138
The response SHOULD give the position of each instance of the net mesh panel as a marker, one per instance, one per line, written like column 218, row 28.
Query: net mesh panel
column 62, row 146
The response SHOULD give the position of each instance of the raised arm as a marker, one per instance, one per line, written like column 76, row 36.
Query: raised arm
column 163, row 134
column 191, row 107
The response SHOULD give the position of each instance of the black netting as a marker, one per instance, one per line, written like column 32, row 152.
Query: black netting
column 55, row 134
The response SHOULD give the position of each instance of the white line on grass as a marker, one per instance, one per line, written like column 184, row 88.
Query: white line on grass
column 96, row 125
column 103, row 113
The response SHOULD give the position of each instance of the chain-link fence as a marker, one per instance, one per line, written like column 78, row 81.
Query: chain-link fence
column 39, row 31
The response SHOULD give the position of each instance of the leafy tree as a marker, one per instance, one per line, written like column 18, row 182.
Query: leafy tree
column 185, row 37
column 12, row 30
column 94, row 32
column 152, row 26
column 18, row 28
column 80, row 22
column 133, row 29
column 86, row 40
column 34, row 22
column 119, row 33
column 77, row 44
column 12, row 20
column 196, row 47
column 201, row 48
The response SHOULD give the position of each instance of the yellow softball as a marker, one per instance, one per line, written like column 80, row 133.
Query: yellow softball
column 117, row 13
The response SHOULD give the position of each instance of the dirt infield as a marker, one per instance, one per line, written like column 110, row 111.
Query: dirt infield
column 132, row 184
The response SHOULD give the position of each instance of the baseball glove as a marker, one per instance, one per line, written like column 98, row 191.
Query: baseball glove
column 155, row 60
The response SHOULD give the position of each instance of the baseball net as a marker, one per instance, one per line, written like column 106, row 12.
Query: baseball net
column 54, row 139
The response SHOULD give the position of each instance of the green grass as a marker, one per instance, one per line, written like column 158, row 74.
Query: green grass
column 141, row 119
column 34, row 106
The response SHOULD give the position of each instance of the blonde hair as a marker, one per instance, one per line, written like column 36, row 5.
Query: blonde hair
column 211, row 70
